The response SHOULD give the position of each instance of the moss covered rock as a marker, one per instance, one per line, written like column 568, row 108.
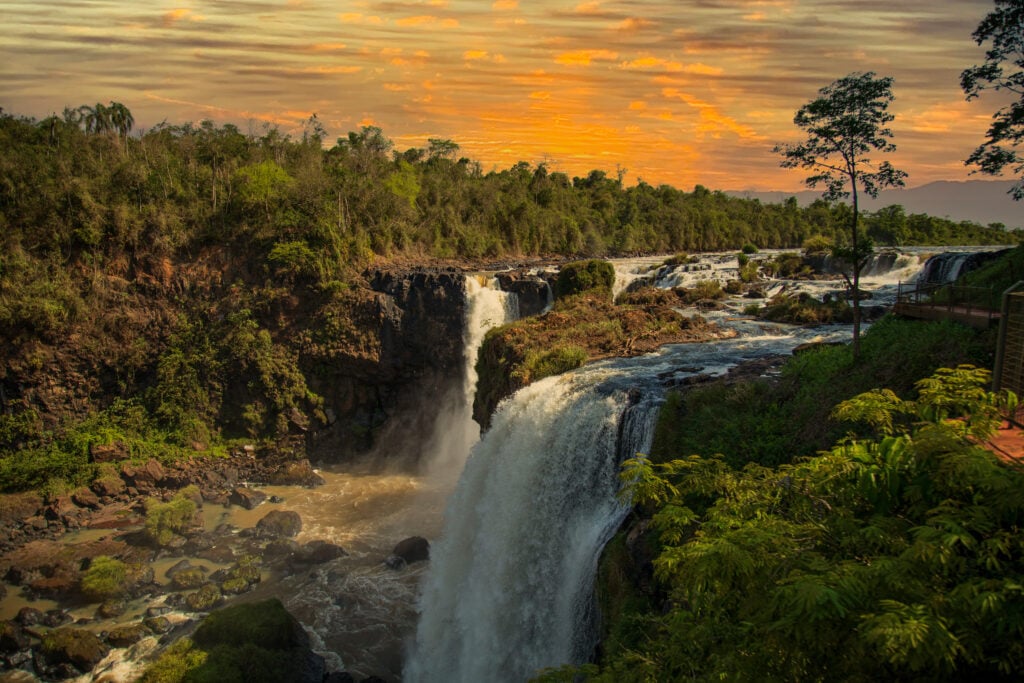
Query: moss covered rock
column 204, row 599
column 81, row 648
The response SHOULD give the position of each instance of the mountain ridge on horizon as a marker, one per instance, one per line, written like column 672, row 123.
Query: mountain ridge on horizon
column 979, row 201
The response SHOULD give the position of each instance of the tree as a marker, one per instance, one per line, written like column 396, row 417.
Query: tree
column 884, row 558
column 121, row 119
column 1003, row 70
column 844, row 125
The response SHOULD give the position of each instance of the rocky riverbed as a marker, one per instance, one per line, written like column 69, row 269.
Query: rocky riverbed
column 56, row 625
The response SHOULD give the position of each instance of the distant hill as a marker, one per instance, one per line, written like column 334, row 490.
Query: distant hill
column 980, row 201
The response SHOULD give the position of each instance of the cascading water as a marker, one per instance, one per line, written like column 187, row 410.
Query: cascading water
column 455, row 432
column 510, row 587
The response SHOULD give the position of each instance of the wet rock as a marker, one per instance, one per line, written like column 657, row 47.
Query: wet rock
column 280, row 548
column 12, row 638
column 56, row 617
column 111, row 608
column 85, row 498
column 318, row 552
column 75, row 646
column 30, row 616
column 220, row 554
column 204, row 599
column 298, row 473
column 412, row 549
column 532, row 291
column 158, row 625
column 143, row 477
column 279, row 523
column 246, row 497
column 187, row 579
column 109, row 487
column 125, row 636
column 158, row 610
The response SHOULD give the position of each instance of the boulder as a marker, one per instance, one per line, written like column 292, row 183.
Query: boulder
column 185, row 579
column 30, row 616
column 111, row 452
column 318, row 552
column 81, row 648
column 204, row 599
column 109, row 609
column 143, row 477
column 12, row 638
column 109, row 487
column 297, row 473
column 85, row 498
column 279, row 523
column 126, row 636
column 412, row 549
column 158, row 625
column 247, row 498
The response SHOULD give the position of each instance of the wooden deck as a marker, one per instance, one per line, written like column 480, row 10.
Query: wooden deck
column 966, row 315
column 971, row 306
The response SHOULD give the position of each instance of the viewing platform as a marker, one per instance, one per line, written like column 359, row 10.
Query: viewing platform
column 977, row 307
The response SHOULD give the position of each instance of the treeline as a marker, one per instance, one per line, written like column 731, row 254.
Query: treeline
column 81, row 187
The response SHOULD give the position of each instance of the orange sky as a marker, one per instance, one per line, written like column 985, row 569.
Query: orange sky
column 679, row 92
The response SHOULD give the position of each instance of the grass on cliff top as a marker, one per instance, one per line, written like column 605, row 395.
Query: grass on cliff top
column 579, row 329
column 773, row 422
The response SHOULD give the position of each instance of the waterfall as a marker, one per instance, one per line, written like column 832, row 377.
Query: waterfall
column 455, row 432
column 947, row 267
column 510, row 587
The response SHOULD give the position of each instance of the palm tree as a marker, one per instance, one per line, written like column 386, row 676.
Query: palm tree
column 121, row 119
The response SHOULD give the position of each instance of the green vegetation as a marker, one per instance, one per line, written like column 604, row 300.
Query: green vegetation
column 593, row 276
column 248, row 643
column 888, row 557
column 190, row 284
column 1003, row 70
column 804, row 309
column 165, row 521
column 579, row 328
column 774, row 421
column 105, row 578
column 844, row 126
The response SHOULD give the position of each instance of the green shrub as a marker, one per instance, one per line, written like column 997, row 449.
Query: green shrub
column 164, row 521
column 703, row 290
column 817, row 244
column 749, row 249
column 175, row 663
column 105, row 578
column 585, row 276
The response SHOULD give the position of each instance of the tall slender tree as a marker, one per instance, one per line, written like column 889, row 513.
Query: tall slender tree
column 844, row 126
column 1003, row 70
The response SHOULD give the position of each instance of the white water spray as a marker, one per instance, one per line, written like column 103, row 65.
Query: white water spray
column 455, row 432
column 510, row 587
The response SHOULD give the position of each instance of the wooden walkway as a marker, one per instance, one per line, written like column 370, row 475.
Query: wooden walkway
column 975, row 317
column 966, row 305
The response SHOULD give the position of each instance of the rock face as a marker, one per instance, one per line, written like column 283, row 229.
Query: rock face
column 533, row 291
column 409, row 327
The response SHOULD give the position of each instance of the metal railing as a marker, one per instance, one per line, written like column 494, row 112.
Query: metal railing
column 958, row 301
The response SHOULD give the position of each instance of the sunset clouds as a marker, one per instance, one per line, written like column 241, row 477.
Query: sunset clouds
column 680, row 92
